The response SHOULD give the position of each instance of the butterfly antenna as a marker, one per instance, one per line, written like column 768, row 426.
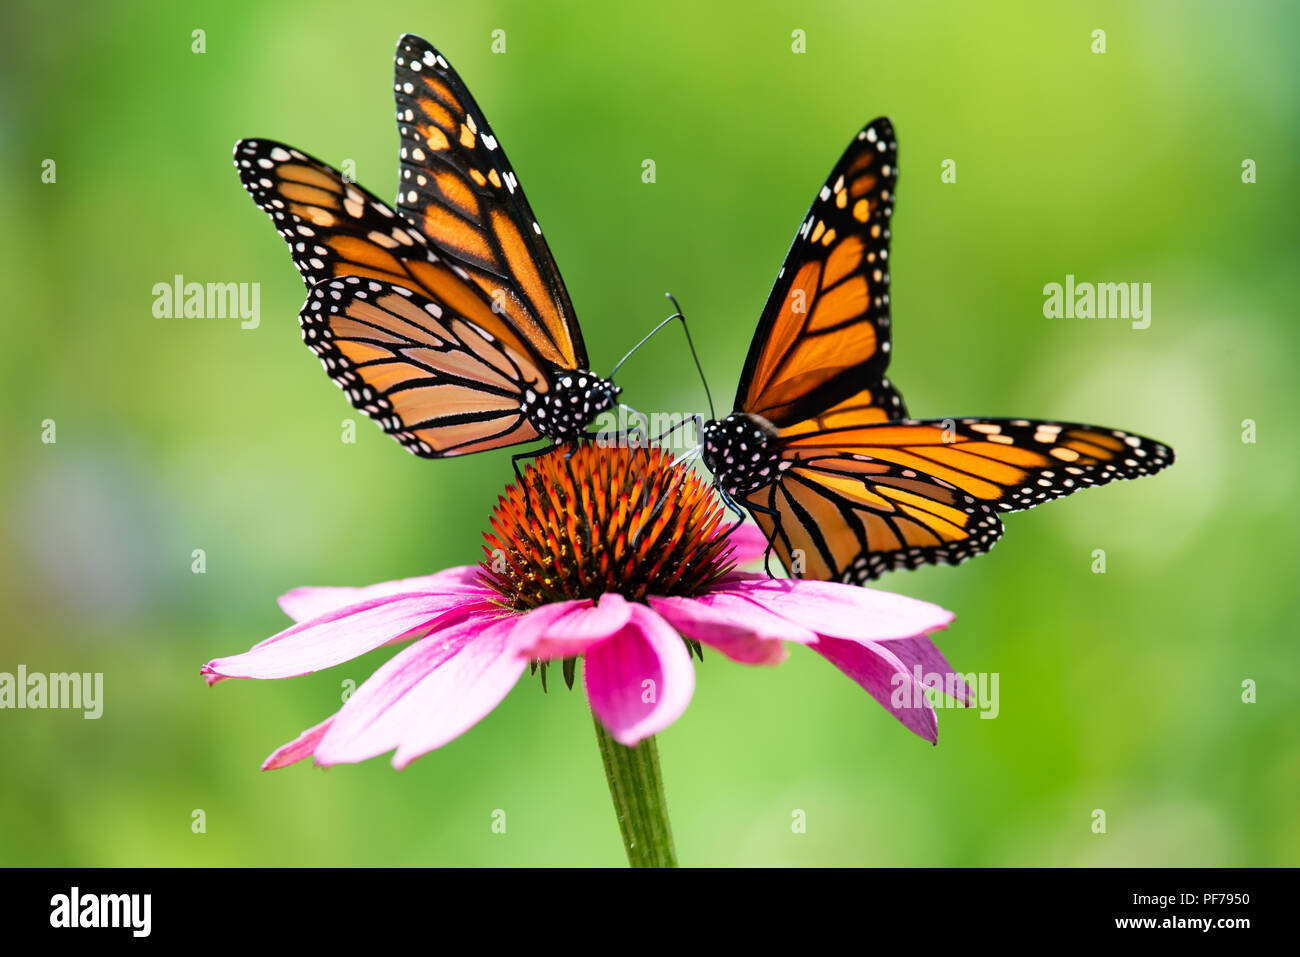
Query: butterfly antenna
column 650, row 335
column 694, row 355
column 689, row 342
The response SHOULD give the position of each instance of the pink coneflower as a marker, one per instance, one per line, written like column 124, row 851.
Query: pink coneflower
column 608, row 555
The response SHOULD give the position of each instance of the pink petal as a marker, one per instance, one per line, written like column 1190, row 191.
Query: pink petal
column 304, row 604
column 300, row 747
column 337, row 636
column 640, row 680
column 567, row 629
column 748, row 543
column 842, row 611
column 886, row 678
column 427, row 695
column 742, row 630
column 935, row 670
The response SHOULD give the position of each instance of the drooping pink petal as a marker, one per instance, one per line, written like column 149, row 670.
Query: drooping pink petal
column 569, row 628
column 741, row 629
column 748, row 543
column 640, row 680
column 841, row 611
column 303, row 746
column 338, row 636
column 886, row 678
column 937, row 673
column 304, row 604
column 427, row 695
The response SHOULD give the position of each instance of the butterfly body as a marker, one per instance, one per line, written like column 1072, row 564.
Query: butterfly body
column 443, row 316
column 564, row 411
column 821, row 448
column 738, row 451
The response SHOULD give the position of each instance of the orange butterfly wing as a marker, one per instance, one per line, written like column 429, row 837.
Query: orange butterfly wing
column 824, row 333
column 409, row 337
column 458, row 188
column 869, row 406
column 436, row 382
column 828, row 521
column 860, row 501
column 336, row 228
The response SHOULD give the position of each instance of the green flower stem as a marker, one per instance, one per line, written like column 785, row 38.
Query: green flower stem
column 637, row 789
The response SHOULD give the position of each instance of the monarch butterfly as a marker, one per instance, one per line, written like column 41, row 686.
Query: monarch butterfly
column 820, row 448
column 444, row 319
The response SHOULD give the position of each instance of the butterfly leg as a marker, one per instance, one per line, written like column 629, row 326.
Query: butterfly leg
column 617, row 440
column 696, row 420
column 731, row 504
column 767, row 552
column 532, row 454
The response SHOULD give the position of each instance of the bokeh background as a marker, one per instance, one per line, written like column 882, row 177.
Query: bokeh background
column 1120, row 692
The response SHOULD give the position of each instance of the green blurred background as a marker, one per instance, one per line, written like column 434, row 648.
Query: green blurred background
column 1120, row 692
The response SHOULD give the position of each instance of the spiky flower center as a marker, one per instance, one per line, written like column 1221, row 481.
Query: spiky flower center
column 595, row 519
